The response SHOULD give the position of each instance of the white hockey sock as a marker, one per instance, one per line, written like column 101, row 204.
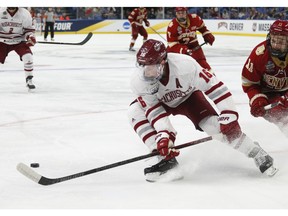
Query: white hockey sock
column 245, row 145
column 28, row 64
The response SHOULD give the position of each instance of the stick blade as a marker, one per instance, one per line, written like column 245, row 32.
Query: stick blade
column 86, row 39
column 28, row 172
column 90, row 34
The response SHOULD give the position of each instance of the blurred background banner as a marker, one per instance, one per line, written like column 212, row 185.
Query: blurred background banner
column 220, row 20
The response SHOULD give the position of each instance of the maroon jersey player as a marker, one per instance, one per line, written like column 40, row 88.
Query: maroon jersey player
column 174, row 84
column 17, row 34
column 182, row 37
column 136, row 18
column 265, row 76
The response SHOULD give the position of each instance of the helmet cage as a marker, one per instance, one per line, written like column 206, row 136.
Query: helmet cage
column 278, row 39
column 151, row 73
column 150, row 60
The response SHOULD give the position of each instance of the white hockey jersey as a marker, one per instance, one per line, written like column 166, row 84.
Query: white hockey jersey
column 185, row 77
column 15, row 28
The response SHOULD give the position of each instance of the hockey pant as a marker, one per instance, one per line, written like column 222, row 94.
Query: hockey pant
column 210, row 125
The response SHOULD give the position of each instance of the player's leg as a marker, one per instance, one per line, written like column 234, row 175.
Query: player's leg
column 4, row 52
column 134, row 35
column 243, row 144
column 143, row 33
column 26, row 56
column 162, row 169
column 203, row 115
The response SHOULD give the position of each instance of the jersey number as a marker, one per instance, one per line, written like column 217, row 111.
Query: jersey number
column 206, row 75
column 249, row 66
column 142, row 102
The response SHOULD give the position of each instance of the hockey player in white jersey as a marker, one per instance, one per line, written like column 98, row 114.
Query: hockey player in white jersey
column 17, row 33
column 171, row 83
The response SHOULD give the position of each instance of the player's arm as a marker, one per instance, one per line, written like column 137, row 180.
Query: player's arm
column 218, row 92
column 132, row 17
column 251, row 82
column 156, row 115
column 145, row 19
column 159, row 120
column 201, row 27
column 208, row 83
column 174, row 45
column 29, row 28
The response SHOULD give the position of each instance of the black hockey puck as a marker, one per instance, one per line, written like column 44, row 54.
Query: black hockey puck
column 34, row 165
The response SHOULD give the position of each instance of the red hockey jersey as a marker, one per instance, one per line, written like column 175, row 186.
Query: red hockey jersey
column 263, row 73
column 180, row 37
column 137, row 16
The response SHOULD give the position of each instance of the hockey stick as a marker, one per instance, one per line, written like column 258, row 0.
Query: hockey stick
column 194, row 49
column 90, row 34
column 272, row 105
column 157, row 33
column 198, row 47
column 34, row 176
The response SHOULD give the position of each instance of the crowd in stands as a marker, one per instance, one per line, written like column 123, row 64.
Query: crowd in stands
column 100, row 13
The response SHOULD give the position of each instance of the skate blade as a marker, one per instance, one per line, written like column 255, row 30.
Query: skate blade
column 271, row 171
column 31, row 90
column 169, row 176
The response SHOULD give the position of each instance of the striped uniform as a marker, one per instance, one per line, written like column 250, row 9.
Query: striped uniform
column 181, row 93
column 15, row 28
column 14, row 31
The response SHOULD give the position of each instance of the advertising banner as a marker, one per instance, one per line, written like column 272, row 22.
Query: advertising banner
column 218, row 26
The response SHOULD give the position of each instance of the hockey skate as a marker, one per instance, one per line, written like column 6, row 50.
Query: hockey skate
column 29, row 83
column 132, row 49
column 264, row 162
column 164, row 171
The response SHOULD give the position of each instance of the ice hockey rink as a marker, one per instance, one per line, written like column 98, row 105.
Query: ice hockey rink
column 76, row 121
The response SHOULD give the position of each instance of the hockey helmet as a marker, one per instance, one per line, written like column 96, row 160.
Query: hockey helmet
column 278, row 38
column 151, row 52
column 150, row 59
column 177, row 9
column 181, row 13
column 279, row 27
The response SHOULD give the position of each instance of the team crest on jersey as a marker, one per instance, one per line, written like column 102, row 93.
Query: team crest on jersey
column 260, row 50
column 179, row 30
column 153, row 88
column 170, row 24
column 270, row 67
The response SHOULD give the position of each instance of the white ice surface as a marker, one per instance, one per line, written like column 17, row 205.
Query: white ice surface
column 76, row 121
